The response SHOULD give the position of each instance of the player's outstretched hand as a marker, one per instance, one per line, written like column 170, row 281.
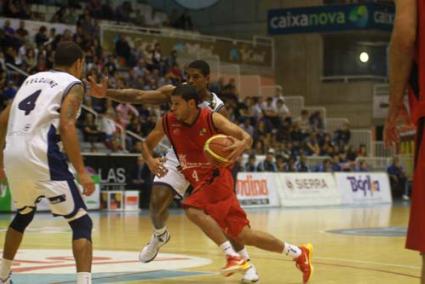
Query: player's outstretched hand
column 236, row 149
column 97, row 90
column 157, row 166
column 167, row 90
column 88, row 185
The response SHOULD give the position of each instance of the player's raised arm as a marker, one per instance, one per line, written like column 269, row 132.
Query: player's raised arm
column 68, row 132
column 156, row 165
column 243, row 140
column 134, row 96
column 4, row 118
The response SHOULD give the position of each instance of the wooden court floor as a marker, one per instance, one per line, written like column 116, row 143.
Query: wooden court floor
column 351, row 245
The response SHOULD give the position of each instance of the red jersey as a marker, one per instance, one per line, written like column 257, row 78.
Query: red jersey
column 188, row 144
column 417, row 76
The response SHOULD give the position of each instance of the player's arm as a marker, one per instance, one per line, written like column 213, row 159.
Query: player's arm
column 68, row 133
column 402, row 48
column 134, row 96
column 4, row 119
column 243, row 140
column 223, row 111
column 156, row 165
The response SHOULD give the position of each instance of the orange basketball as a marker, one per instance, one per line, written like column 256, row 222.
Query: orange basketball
column 214, row 150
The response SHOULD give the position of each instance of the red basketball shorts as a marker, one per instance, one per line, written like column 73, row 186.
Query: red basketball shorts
column 218, row 200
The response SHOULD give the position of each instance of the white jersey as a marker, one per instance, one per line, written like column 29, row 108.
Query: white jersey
column 32, row 138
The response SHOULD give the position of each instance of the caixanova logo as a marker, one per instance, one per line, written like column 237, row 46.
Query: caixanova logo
column 251, row 187
column 365, row 184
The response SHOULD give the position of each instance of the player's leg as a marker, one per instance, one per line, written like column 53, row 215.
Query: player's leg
column 13, row 239
column 301, row 254
column 213, row 230
column 162, row 194
column 250, row 275
column 65, row 200
column 25, row 196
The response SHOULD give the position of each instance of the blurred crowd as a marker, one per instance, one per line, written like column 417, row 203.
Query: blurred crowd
column 285, row 141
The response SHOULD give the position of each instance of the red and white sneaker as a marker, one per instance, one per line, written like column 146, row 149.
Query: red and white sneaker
column 234, row 264
column 303, row 262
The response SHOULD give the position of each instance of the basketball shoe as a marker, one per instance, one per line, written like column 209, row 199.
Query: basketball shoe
column 234, row 264
column 150, row 251
column 250, row 275
column 303, row 262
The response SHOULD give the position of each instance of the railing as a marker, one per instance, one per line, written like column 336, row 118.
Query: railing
column 361, row 136
column 295, row 104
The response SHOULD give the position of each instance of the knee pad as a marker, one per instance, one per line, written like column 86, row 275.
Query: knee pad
column 21, row 221
column 81, row 228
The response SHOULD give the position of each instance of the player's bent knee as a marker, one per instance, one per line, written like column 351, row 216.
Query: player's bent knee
column 21, row 221
column 81, row 228
column 193, row 214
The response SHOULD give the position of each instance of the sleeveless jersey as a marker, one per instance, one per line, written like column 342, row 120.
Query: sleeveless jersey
column 32, row 149
column 417, row 76
column 188, row 143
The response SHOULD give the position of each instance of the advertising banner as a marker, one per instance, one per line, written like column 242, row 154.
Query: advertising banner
column 131, row 200
column 116, row 172
column 360, row 188
column 5, row 198
column 308, row 189
column 331, row 18
column 257, row 189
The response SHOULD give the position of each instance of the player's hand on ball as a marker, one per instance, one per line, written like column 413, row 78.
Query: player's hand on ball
column 97, row 90
column 87, row 183
column 236, row 149
column 157, row 166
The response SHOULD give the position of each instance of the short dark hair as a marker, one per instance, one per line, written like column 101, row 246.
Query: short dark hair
column 67, row 53
column 201, row 65
column 187, row 92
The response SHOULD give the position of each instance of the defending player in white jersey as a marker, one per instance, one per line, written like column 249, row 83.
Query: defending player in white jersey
column 42, row 115
column 174, row 183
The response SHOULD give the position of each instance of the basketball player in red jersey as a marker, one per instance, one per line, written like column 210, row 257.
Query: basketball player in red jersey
column 188, row 127
column 407, row 69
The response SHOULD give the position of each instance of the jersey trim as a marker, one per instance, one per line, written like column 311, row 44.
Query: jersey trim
column 69, row 87
column 58, row 166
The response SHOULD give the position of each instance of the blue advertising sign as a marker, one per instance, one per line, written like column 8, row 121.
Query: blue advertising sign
column 330, row 19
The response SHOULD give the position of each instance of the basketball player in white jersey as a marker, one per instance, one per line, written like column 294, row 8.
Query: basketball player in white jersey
column 42, row 115
column 165, row 188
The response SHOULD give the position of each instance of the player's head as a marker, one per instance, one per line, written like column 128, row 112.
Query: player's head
column 184, row 101
column 198, row 74
column 70, row 57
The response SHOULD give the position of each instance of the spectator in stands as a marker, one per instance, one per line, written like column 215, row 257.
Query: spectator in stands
column 342, row 135
column 361, row 151
column 16, row 9
column 301, row 165
column 184, row 22
column 41, row 37
column 311, row 147
column 398, row 179
column 268, row 164
column 124, row 112
column 91, row 131
column 316, row 121
column 336, row 163
column 361, row 166
column 251, row 164
column 303, row 121
column 325, row 166
column 22, row 32
column 245, row 125
column 282, row 109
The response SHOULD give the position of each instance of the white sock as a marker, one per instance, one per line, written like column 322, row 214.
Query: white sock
column 244, row 253
column 6, row 264
column 159, row 232
column 83, row 278
column 291, row 250
column 228, row 249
